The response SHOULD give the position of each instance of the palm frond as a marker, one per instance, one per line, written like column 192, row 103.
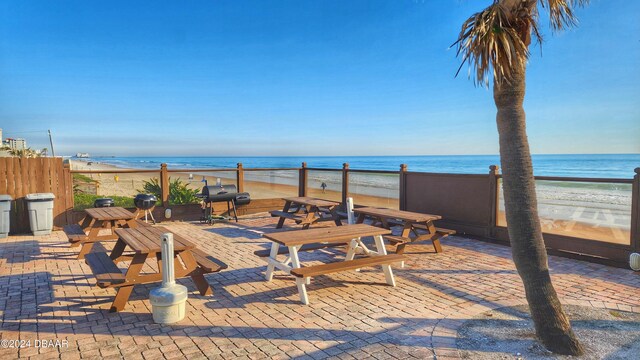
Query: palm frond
column 561, row 12
column 491, row 42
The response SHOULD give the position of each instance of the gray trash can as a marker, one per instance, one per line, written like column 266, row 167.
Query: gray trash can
column 40, row 207
column 5, row 211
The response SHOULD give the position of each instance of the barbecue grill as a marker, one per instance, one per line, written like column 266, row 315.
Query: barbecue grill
column 222, row 193
column 103, row 202
column 146, row 203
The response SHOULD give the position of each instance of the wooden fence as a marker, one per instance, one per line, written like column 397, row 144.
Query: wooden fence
column 22, row 176
column 469, row 203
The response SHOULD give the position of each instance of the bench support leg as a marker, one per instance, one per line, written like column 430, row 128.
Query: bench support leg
column 300, row 283
column 118, row 250
column 353, row 247
column 436, row 245
column 121, row 298
column 400, row 251
column 201, row 284
column 287, row 205
column 273, row 255
column 302, row 290
column 388, row 273
column 351, row 252
column 85, row 249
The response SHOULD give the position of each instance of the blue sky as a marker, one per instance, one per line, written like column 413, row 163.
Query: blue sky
column 301, row 77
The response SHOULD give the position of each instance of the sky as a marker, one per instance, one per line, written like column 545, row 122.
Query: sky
column 301, row 77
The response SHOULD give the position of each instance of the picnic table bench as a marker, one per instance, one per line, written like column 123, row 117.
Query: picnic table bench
column 411, row 223
column 145, row 244
column 307, row 211
column 95, row 220
column 313, row 239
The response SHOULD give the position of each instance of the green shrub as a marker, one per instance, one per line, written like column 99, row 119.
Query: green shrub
column 179, row 192
column 82, row 201
column 83, row 178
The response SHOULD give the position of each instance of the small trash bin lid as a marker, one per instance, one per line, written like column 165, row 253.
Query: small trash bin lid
column 5, row 198
column 40, row 197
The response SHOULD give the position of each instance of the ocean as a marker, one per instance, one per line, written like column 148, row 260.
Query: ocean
column 601, row 211
column 584, row 165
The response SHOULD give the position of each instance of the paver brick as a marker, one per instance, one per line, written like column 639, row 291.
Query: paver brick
column 351, row 315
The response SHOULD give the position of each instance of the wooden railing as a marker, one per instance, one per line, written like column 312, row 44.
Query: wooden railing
column 468, row 203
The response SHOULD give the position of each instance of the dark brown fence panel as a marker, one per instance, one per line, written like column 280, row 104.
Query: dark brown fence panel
column 22, row 176
column 635, row 212
column 463, row 201
column 584, row 249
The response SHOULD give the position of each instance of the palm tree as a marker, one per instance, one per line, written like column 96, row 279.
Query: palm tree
column 27, row 153
column 495, row 43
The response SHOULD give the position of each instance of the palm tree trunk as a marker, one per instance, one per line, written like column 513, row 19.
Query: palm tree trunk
column 529, row 253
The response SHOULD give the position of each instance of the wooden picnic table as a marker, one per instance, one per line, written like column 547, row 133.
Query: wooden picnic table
column 144, row 242
column 307, row 240
column 411, row 222
column 307, row 211
column 97, row 219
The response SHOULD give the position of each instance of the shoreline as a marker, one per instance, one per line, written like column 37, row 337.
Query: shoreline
column 128, row 184
column 572, row 211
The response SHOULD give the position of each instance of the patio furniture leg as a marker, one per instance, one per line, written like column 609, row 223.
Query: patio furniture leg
column 273, row 255
column 87, row 221
column 287, row 205
column 85, row 249
column 125, row 291
column 351, row 252
column 302, row 290
column 336, row 217
column 388, row 273
column 201, row 284
column 118, row 249
column 300, row 283
column 121, row 298
column 436, row 245
column 191, row 266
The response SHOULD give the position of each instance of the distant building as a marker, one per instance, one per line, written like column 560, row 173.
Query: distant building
column 82, row 155
column 15, row 144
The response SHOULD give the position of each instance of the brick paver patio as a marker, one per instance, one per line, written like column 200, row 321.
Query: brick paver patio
column 47, row 294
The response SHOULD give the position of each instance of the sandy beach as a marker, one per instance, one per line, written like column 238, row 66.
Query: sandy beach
column 590, row 213
column 130, row 184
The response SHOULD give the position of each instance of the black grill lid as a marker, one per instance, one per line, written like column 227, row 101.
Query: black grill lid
column 103, row 202
column 219, row 192
column 145, row 201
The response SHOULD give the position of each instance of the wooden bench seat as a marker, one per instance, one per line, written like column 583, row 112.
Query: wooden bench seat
column 315, row 270
column 105, row 270
column 142, row 223
column 287, row 215
column 75, row 233
column 208, row 263
column 283, row 250
column 441, row 231
column 396, row 240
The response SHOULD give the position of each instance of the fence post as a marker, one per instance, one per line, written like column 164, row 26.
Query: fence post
column 240, row 178
column 69, row 201
column 345, row 182
column 302, row 180
column 164, row 185
column 635, row 212
column 490, row 231
column 402, row 196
